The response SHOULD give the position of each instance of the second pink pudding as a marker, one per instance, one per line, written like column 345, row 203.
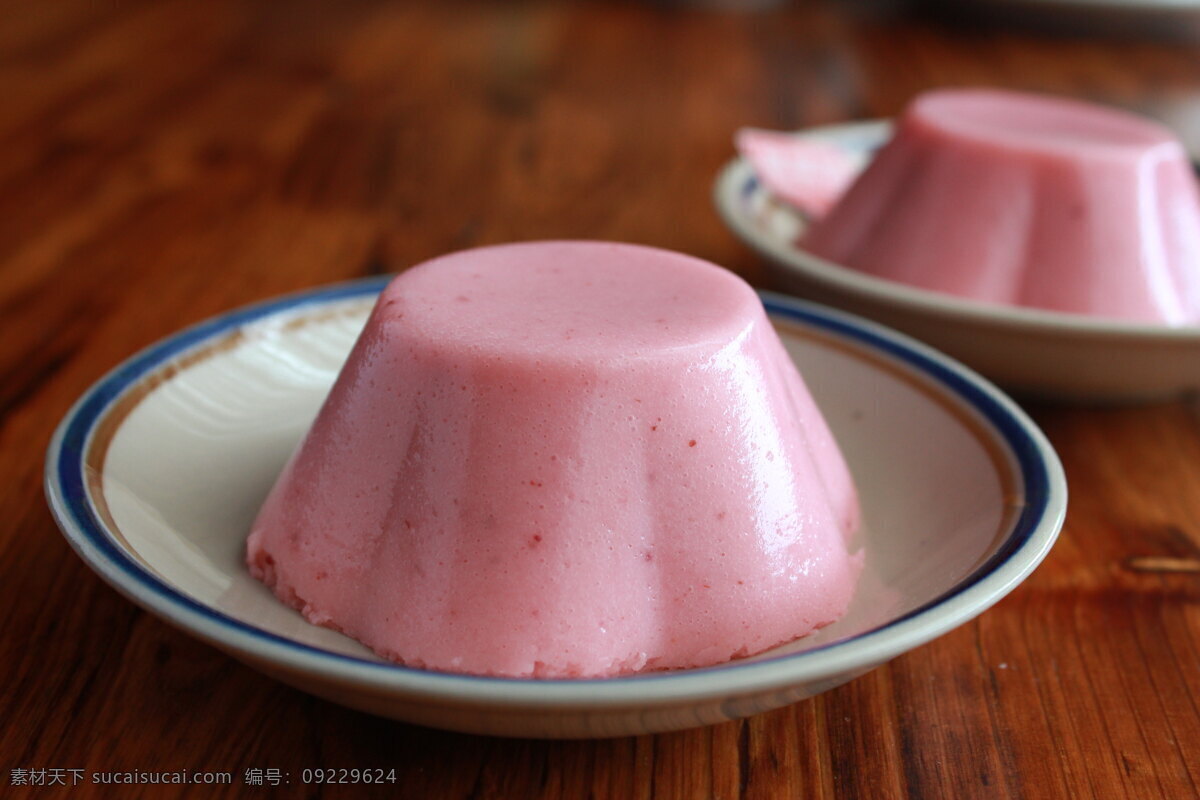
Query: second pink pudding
column 565, row 459
column 1027, row 200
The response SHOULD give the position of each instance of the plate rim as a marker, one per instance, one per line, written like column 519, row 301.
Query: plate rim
column 1038, row 471
column 737, row 178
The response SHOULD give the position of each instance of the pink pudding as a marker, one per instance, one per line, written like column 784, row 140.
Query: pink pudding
column 811, row 174
column 564, row 459
column 1027, row 200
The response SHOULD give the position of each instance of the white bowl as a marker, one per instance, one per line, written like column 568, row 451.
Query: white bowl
column 1043, row 353
column 155, row 475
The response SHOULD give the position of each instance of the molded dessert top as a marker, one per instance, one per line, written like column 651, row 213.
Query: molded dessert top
column 1036, row 123
column 592, row 300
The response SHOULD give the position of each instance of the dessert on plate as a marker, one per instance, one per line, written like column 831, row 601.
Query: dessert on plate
column 1025, row 200
column 564, row 459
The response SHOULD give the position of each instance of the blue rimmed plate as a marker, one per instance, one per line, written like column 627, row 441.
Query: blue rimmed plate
column 156, row 473
column 1046, row 353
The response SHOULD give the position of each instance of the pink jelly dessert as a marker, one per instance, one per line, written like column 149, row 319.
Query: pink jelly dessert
column 564, row 459
column 1027, row 200
column 811, row 174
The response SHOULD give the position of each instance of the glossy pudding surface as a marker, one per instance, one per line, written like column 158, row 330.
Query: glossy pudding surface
column 565, row 459
column 1027, row 200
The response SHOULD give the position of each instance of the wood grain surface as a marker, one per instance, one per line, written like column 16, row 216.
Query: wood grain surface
column 163, row 162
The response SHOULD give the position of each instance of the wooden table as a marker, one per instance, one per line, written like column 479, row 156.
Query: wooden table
column 165, row 162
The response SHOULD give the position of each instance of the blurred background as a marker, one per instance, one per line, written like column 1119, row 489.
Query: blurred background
column 256, row 129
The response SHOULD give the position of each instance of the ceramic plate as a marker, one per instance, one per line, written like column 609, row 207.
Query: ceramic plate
column 1045, row 353
column 156, row 473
